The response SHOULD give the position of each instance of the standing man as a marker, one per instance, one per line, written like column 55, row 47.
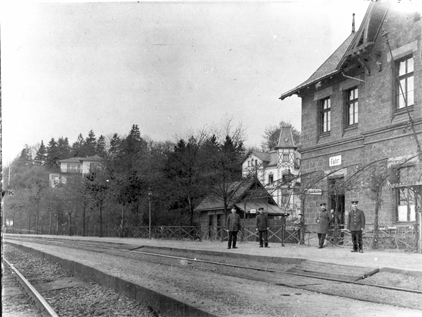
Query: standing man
column 356, row 224
column 323, row 221
column 262, row 226
column 233, row 226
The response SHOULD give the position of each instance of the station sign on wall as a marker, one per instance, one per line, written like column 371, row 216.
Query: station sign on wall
column 314, row 191
column 335, row 160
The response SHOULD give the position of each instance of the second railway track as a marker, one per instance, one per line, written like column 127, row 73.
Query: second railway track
column 272, row 273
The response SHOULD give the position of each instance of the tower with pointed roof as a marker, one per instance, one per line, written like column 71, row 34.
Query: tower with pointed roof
column 277, row 169
column 286, row 152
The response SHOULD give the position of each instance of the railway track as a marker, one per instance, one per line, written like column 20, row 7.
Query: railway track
column 308, row 281
column 44, row 309
column 280, row 272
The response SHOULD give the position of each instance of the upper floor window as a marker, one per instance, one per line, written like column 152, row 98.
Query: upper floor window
column 73, row 168
column 271, row 178
column 286, row 157
column 405, row 83
column 352, row 106
column 325, row 115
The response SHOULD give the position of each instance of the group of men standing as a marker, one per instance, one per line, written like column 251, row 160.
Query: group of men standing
column 355, row 224
column 262, row 226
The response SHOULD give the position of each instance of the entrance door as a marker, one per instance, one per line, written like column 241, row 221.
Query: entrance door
column 337, row 199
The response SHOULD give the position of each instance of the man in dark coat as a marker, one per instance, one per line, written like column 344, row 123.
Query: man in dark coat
column 356, row 224
column 262, row 226
column 233, row 226
column 323, row 220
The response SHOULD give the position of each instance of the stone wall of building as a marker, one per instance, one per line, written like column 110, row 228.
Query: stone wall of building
column 382, row 132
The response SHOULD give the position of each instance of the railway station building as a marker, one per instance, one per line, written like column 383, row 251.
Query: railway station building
column 361, row 115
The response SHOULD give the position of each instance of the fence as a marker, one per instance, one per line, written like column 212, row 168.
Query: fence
column 161, row 232
column 403, row 238
column 248, row 233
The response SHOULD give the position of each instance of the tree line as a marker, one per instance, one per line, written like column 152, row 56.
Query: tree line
column 135, row 170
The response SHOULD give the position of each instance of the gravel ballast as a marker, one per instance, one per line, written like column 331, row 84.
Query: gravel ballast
column 224, row 295
column 90, row 300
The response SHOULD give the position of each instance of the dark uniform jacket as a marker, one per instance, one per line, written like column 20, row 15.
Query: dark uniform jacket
column 233, row 222
column 262, row 222
column 356, row 220
column 324, row 219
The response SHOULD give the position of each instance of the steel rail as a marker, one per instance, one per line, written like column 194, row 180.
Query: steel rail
column 279, row 272
column 260, row 269
column 40, row 302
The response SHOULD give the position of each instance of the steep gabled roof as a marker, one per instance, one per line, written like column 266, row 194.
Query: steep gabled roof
column 370, row 27
column 328, row 68
column 270, row 158
column 361, row 40
column 250, row 189
column 263, row 156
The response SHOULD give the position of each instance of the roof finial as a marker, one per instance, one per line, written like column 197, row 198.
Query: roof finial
column 353, row 24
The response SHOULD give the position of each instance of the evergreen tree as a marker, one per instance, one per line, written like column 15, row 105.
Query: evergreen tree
column 224, row 168
column 132, row 149
column 100, row 149
column 41, row 155
column 78, row 147
column 115, row 145
column 25, row 158
column 90, row 144
column 52, row 154
column 63, row 148
column 183, row 169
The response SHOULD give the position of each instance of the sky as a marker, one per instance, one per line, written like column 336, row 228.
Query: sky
column 170, row 67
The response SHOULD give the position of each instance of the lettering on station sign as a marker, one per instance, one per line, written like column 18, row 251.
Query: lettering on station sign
column 335, row 160
column 314, row 191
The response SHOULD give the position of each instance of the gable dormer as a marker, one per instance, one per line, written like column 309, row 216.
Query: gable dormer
column 359, row 52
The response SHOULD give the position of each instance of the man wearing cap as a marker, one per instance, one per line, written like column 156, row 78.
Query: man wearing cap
column 233, row 226
column 356, row 224
column 323, row 220
column 262, row 226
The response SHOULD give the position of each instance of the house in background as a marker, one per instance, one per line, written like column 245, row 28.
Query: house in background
column 74, row 166
column 277, row 170
column 364, row 105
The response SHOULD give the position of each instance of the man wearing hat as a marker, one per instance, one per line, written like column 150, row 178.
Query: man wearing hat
column 356, row 224
column 262, row 226
column 233, row 226
column 323, row 220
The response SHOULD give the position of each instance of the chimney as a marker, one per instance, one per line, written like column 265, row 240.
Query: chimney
column 353, row 24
